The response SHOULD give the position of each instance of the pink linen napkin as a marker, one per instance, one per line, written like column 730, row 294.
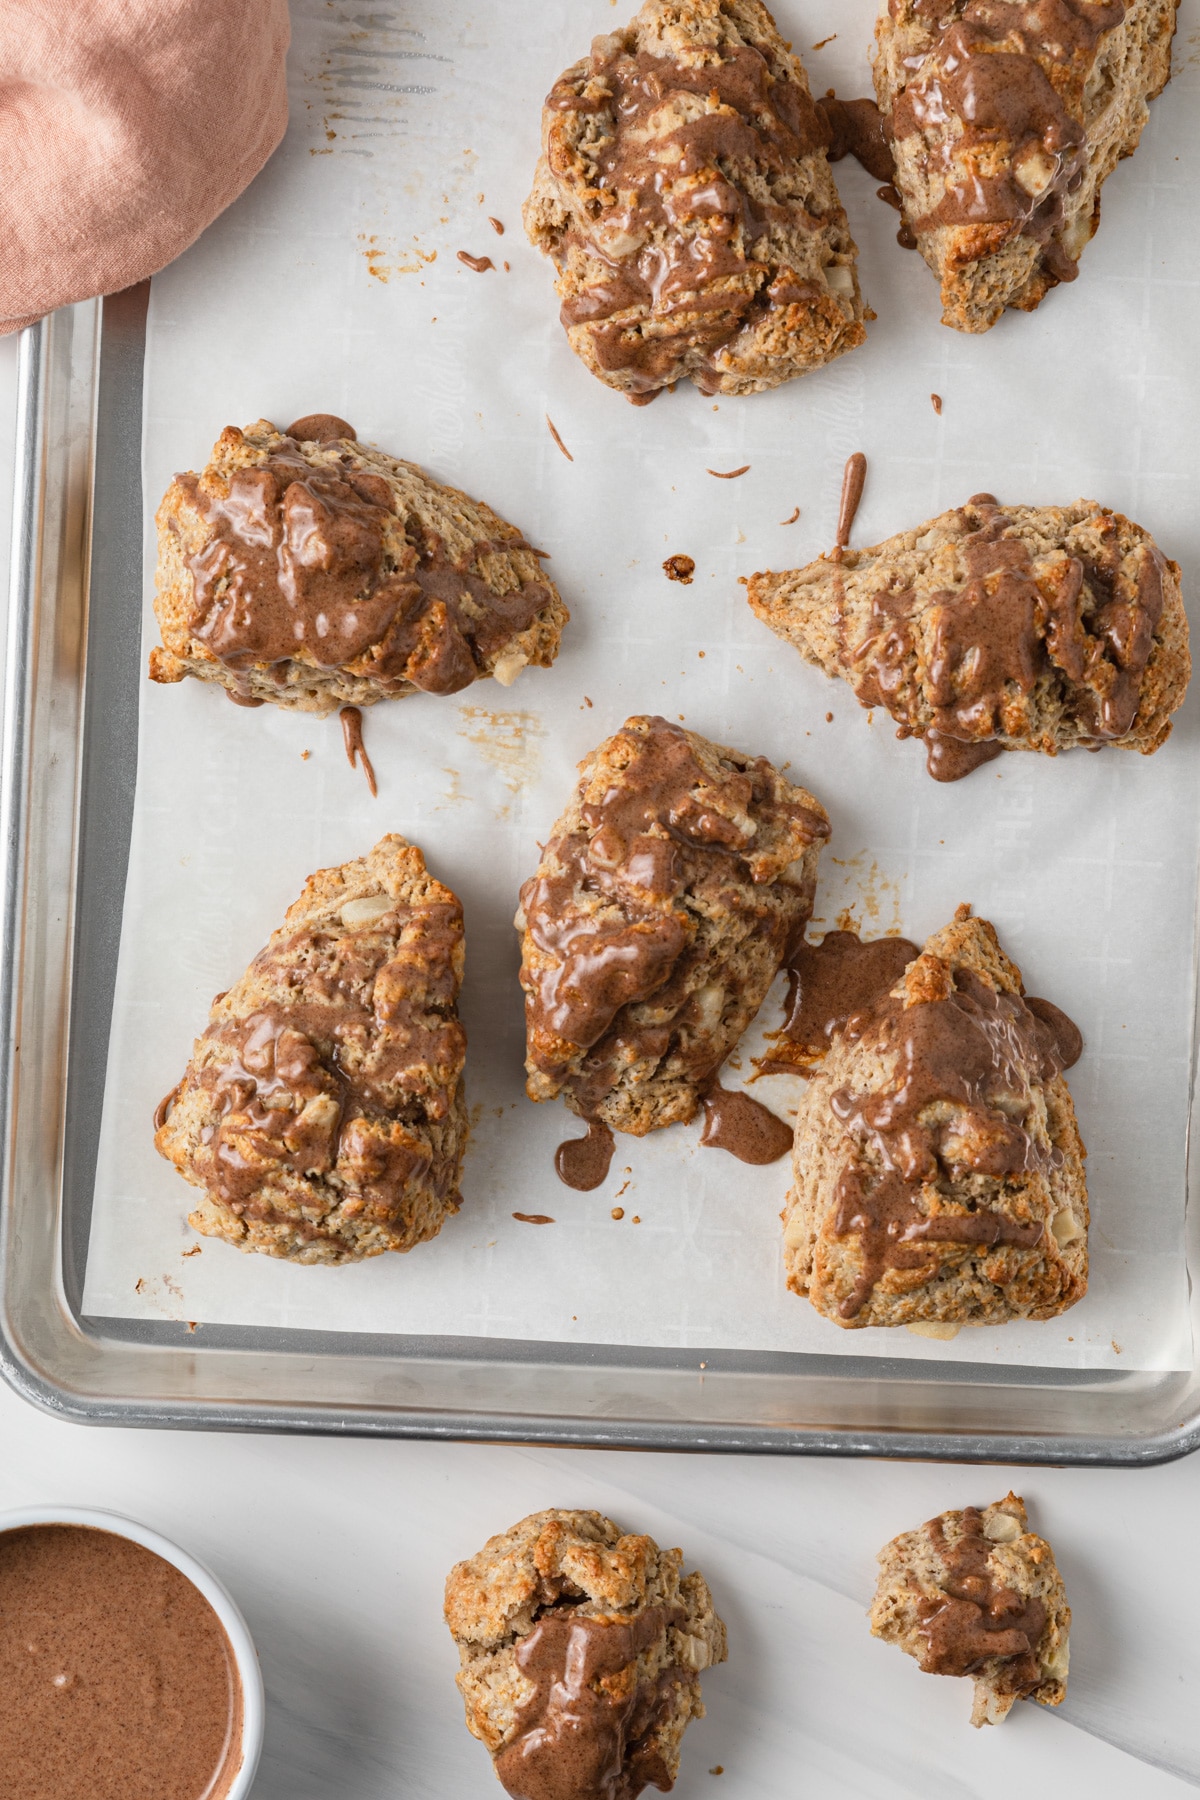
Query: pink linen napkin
column 126, row 126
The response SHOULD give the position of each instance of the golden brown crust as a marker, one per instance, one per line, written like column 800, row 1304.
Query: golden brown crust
column 558, row 1558
column 762, row 283
column 828, row 611
column 949, row 1283
column 1103, row 87
column 916, row 1580
column 422, row 512
column 322, row 1111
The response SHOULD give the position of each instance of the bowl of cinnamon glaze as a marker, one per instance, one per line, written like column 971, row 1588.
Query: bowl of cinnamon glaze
column 127, row 1670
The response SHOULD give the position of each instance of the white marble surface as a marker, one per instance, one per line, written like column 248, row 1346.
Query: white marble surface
column 337, row 1551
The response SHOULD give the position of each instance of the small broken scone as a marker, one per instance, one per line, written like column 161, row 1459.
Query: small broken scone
column 938, row 1173
column 322, row 1111
column 581, row 1651
column 1005, row 118
column 668, row 896
column 309, row 570
column 685, row 198
column 977, row 1593
column 997, row 628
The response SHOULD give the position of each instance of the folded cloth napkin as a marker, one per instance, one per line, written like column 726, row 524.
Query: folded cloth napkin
column 126, row 126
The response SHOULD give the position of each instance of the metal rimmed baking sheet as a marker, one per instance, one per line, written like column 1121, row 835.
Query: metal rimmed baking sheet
column 689, row 437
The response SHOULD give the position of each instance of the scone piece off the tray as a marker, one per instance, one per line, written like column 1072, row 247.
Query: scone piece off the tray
column 581, row 1651
column 977, row 1593
column 938, row 1169
column 1005, row 120
column 316, row 572
column 997, row 628
column 666, row 900
column 322, row 1111
column 685, row 199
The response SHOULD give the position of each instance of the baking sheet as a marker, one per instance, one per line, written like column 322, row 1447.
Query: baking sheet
column 334, row 285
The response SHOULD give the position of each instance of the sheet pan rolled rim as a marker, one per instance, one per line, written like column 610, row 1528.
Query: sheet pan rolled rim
column 42, row 1311
column 565, row 1433
column 14, row 741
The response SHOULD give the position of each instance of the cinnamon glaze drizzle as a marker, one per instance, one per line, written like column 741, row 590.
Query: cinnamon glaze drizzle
column 977, row 1618
column 352, row 737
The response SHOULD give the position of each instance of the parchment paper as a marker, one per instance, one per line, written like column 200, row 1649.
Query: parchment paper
column 334, row 285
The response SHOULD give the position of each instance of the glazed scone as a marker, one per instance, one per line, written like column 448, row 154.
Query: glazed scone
column 997, row 628
column 977, row 1593
column 684, row 196
column 666, row 900
column 1005, row 120
column 938, row 1171
column 581, row 1651
column 316, row 572
column 322, row 1111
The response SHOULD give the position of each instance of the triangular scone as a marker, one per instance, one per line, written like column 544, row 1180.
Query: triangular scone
column 666, row 900
column 977, row 1593
column 997, row 628
column 685, row 198
column 1005, row 120
column 322, row 1111
column 581, row 1649
column 938, row 1169
column 316, row 572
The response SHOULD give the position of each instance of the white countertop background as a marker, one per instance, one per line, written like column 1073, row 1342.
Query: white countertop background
column 337, row 1551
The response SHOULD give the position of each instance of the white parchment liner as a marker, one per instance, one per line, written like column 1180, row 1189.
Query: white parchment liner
column 320, row 290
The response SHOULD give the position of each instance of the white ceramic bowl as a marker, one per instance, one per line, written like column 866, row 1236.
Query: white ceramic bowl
column 244, row 1654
